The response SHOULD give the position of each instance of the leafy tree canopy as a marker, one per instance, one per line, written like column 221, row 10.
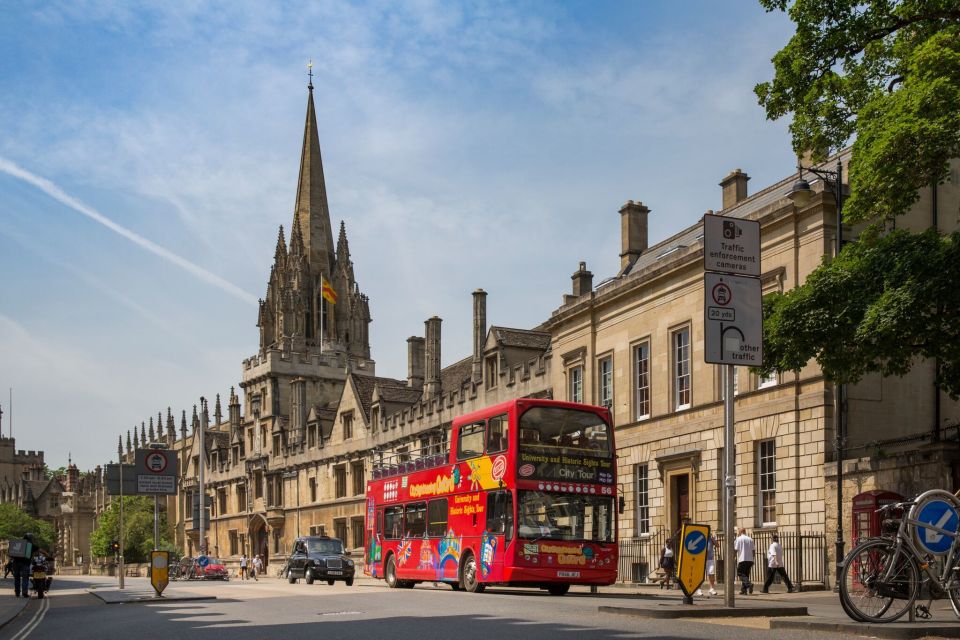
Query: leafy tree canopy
column 14, row 522
column 137, row 529
column 874, row 308
column 886, row 72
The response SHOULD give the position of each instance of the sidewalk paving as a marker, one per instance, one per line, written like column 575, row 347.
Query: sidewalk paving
column 806, row 611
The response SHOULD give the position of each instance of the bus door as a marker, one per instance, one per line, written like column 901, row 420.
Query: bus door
column 498, row 535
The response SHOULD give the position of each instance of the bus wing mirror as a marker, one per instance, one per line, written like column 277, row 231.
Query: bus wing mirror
column 621, row 504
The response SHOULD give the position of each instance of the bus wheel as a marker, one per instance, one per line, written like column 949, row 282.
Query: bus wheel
column 390, row 575
column 558, row 589
column 468, row 575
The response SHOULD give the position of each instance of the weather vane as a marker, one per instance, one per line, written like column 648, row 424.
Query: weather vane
column 310, row 73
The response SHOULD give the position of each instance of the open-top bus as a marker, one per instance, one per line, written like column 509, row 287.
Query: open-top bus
column 525, row 496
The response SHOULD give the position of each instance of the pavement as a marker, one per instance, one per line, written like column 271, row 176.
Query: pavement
column 805, row 611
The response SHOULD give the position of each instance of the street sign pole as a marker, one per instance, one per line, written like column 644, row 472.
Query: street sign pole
column 729, row 486
column 121, row 522
column 203, row 488
column 156, row 523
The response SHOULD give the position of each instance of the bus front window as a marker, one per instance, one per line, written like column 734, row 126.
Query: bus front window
column 570, row 430
column 561, row 516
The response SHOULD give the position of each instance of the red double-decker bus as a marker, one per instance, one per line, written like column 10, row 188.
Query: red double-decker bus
column 526, row 495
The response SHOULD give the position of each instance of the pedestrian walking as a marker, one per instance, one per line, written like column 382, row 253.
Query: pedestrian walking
column 243, row 567
column 775, row 566
column 667, row 563
column 745, row 549
column 711, row 568
column 257, row 566
column 21, row 568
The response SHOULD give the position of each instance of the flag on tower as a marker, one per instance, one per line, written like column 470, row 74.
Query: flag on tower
column 326, row 290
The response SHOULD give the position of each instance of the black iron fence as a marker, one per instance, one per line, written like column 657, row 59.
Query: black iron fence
column 804, row 556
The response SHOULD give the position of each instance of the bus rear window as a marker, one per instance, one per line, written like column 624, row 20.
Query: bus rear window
column 560, row 428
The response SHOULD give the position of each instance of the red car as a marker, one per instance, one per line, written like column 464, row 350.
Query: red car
column 215, row 570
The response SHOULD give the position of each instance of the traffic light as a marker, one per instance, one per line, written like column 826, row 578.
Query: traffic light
column 115, row 546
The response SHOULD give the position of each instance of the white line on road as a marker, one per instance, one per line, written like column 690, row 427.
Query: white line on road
column 36, row 620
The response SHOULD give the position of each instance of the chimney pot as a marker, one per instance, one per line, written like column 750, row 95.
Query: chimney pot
column 582, row 281
column 415, row 356
column 479, row 332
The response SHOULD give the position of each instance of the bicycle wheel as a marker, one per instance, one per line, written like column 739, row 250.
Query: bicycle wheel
column 878, row 584
column 954, row 593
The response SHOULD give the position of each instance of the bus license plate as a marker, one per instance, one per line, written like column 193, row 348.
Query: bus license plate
column 568, row 574
column 335, row 573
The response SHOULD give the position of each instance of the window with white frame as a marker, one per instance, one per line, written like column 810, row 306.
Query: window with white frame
column 642, row 481
column 767, row 381
column 641, row 369
column 576, row 384
column 767, row 481
column 606, row 382
column 681, row 368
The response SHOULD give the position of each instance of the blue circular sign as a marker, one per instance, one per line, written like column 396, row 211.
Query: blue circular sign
column 942, row 515
column 695, row 543
column 203, row 561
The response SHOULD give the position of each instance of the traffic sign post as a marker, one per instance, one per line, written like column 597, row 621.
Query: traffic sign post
column 156, row 472
column 733, row 335
column 693, row 558
column 940, row 523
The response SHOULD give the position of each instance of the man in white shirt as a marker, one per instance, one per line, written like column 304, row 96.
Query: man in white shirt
column 745, row 548
column 775, row 565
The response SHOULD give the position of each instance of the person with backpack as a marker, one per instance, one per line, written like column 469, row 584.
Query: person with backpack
column 21, row 568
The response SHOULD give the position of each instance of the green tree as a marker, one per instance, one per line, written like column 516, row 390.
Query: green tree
column 14, row 522
column 885, row 73
column 137, row 529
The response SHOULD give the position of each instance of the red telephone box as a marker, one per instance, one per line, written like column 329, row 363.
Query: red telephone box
column 866, row 520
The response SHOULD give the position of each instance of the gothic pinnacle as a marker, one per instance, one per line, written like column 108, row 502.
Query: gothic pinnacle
column 143, row 434
column 171, row 431
column 217, row 413
column 196, row 420
column 281, row 251
column 119, row 445
column 150, row 434
column 183, row 424
column 129, row 443
column 343, row 249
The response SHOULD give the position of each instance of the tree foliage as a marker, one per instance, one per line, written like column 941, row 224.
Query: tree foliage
column 15, row 522
column 137, row 529
column 875, row 308
column 885, row 72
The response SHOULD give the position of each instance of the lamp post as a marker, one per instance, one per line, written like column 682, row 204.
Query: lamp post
column 834, row 179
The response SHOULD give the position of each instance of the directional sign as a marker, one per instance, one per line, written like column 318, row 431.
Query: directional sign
column 731, row 245
column 733, row 320
column 693, row 556
column 159, row 570
column 941, row 515
column 156, row 471
column 203, row 561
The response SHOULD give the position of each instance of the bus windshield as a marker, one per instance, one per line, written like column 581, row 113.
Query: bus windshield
column 564, row 516
column 564, row 430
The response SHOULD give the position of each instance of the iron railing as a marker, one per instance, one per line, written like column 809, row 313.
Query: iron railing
column 804, row 556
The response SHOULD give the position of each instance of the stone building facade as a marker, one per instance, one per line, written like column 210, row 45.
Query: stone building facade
column 294, row 449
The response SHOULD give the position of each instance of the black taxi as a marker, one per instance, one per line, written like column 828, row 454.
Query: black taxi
column 319, row 558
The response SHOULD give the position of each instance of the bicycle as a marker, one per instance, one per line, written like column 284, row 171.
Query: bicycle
column 882, row 577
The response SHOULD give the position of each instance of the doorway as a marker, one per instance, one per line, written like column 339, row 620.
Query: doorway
column 679, row 500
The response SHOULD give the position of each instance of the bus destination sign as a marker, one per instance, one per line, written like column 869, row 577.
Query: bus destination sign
column 565, row 466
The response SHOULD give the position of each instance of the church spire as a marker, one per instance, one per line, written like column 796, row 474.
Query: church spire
column 311, row 210
column 343, row 249
column 281, row 251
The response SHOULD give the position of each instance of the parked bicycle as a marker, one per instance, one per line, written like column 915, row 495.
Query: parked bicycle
column 918, row 554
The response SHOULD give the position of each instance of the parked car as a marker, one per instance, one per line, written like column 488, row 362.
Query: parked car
column 215, row 570
column 319, row 558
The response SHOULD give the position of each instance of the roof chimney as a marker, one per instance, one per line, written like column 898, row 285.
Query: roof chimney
column 479, row 332
column 582, row 281
column 734, row 188
column 633, row 232
column 415, row 362
column 432, row 358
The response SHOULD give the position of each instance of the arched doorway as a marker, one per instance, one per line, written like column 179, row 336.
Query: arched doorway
column 260, row 539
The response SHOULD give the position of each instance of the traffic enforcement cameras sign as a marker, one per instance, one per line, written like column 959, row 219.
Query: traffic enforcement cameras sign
column 731, row 245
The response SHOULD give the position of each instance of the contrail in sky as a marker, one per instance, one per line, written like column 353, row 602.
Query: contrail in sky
column 55, row 192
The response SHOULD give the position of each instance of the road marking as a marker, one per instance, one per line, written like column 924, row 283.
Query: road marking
column 933, row 536
column 36, row 620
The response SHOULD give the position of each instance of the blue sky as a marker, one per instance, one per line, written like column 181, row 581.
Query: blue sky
column 150, row 150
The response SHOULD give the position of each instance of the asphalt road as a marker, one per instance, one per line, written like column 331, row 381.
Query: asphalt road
column 275, row 609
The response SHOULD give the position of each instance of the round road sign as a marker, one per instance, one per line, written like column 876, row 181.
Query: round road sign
column 722, row 294
column 203, row 561
column 695, row 542
column 155, row 462
column 942, row 515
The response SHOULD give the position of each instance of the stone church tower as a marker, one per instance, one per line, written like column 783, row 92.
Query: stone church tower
column 307, row 344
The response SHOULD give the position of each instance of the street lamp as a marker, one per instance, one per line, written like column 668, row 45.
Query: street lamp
column 801, row 188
